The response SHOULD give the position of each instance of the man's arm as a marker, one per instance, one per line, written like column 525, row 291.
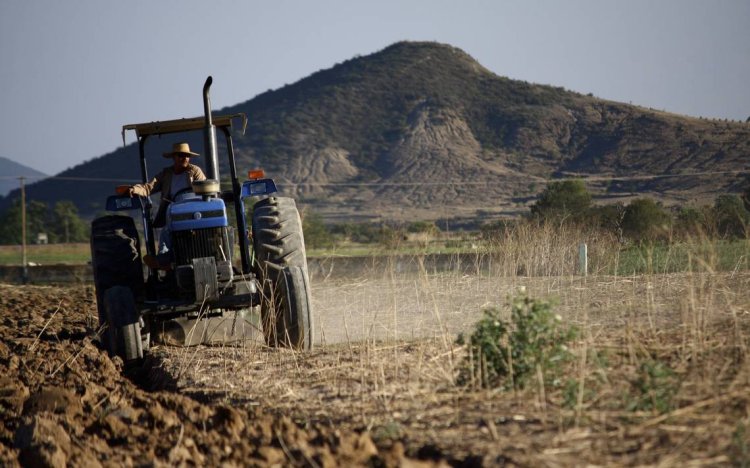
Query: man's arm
column 145, row 190
column 196, row 173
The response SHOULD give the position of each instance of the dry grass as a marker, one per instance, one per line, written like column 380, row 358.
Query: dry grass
column 388, row 362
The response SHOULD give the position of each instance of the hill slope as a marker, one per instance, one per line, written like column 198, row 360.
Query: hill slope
column 11, row 170
column 421, row 130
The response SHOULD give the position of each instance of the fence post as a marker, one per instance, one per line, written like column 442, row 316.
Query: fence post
column 583, row 259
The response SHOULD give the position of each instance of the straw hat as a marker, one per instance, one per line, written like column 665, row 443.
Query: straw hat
column 180, row 148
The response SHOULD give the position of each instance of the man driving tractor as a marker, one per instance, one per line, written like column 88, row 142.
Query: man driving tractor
column 169, row 182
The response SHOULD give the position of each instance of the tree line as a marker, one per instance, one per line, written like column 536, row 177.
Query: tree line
column 643, row 219
column 60, row 222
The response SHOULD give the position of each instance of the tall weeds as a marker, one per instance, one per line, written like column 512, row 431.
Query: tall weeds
column 538, row 248
column 544, row 249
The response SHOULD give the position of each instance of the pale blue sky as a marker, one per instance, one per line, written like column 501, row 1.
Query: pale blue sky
column 73, row 72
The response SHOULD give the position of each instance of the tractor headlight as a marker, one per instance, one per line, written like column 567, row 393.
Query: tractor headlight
column 254, row 188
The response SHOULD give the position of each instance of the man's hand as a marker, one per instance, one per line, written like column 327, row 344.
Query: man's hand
column 128, row 190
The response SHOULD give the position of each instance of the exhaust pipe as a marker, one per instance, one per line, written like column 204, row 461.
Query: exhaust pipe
column 209, row 135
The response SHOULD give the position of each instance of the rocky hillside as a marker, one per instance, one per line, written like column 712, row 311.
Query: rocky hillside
column 423, row 131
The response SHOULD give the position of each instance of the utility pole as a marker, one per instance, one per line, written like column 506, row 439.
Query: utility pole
column 25, row 277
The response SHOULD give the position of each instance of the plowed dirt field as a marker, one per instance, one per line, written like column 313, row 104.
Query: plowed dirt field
column 380, row 388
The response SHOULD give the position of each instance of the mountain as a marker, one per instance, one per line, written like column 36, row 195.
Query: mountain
column 422, row 131
column 10, row 171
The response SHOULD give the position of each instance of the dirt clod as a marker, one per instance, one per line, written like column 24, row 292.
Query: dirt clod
column 12, row 395
column 42, row 442
column 54, row 400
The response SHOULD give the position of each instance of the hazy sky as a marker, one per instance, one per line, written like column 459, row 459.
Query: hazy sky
column 73, row 72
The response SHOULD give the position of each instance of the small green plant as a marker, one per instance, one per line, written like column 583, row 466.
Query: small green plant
column 570, row 393
column 388, row 431
column 507, row 353
column 488, row 358
column 741, row 445
column 598, row 361
column 654, row 388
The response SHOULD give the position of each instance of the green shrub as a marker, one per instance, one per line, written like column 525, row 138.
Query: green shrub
column 317, row 234
column 645, row 220
column 428, row 227
column 507, row 353
column 654, row 387
column 599, row 360
column 390, row 238
column 496, row 230
column 693, row 222
column 65, row 224
column 568, row 199
column 732, row 219
column 362, row 233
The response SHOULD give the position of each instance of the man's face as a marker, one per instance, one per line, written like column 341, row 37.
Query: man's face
column 181, row 161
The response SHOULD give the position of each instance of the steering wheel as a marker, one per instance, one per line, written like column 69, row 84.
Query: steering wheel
column 180, row 193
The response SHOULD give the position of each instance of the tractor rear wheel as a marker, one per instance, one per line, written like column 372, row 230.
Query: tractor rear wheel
column 115, row 259
column 279, row 245
column 277, row 233
column 123, row 324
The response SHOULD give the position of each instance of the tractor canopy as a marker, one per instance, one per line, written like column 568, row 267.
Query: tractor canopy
column 182, row 125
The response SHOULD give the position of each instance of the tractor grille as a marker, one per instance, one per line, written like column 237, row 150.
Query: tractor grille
column 199, row 243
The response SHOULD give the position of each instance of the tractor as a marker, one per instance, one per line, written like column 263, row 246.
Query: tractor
column 227, row 282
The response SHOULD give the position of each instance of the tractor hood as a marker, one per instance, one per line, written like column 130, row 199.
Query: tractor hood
column 197, row 214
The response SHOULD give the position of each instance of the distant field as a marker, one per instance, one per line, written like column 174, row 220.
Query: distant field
column 73, row 254
column 668, row 258
column 672, row 258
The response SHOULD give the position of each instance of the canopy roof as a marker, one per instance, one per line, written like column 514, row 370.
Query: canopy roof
column 182, row 125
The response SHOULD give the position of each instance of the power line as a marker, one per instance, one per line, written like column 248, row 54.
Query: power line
column 567, row 176
column 597, row 178
column 78, row 179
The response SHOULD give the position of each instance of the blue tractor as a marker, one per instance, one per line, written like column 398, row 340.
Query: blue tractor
column 226, row 282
